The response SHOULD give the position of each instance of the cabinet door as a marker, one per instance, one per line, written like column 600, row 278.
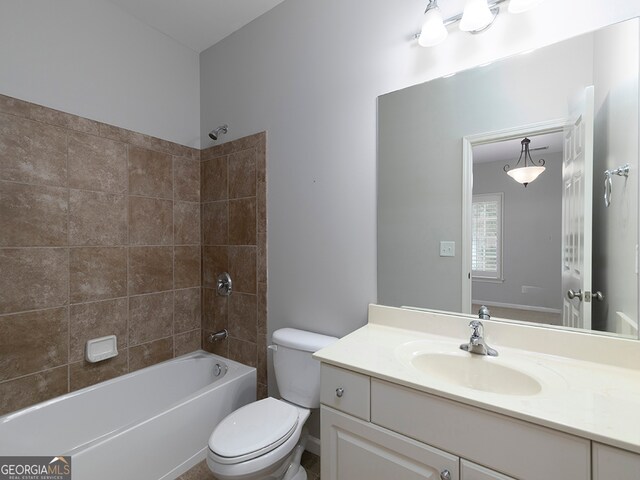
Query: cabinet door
column 612, row 463
column 471, row 471
column 353, row 449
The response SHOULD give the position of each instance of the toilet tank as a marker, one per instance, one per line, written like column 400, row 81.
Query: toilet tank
column 297, row 373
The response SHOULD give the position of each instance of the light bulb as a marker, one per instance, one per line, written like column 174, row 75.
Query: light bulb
column 476, row 16
column 433, row 30
column 519, row 6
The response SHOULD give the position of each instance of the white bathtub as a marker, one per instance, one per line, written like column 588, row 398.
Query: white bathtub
column 150, row 424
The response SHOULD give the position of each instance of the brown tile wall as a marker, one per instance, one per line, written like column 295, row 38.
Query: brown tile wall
column 100, row 235
column 234, row 240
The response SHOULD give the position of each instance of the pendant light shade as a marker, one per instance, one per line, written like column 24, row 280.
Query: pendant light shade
column 519, row 6
column 525, row 175
column 476, row 16
column 531, row 170
column 433, row 30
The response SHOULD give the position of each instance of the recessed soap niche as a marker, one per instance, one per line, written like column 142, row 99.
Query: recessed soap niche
column 102, row 348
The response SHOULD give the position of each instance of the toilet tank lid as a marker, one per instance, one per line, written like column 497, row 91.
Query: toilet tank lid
column 301, row 339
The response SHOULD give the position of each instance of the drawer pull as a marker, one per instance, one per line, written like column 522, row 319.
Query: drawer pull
column 445, row 475
column 339, row 392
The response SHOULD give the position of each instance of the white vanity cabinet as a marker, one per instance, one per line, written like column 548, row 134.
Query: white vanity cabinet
column 613, row 463
column 355, row 449
column 415, row 435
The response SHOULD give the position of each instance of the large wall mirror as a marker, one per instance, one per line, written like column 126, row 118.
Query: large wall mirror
column 455, row 230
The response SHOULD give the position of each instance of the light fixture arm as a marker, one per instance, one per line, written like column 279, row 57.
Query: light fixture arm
column 524, row 152
column 494, row 7
column 431, row 5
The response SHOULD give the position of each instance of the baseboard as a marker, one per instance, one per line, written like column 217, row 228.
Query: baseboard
column 313, row 445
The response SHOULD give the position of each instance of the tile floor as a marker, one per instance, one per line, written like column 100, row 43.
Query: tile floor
column 310, row 462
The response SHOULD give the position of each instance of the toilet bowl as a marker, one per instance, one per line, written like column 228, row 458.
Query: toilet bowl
column 265, row 439
column 257, row 441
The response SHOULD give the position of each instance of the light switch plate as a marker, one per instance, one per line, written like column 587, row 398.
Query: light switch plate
column 447, row 249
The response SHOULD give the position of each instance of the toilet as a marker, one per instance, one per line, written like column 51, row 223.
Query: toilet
column 265, row 439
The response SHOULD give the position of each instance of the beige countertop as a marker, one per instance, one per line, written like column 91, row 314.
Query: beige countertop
column 590, row 384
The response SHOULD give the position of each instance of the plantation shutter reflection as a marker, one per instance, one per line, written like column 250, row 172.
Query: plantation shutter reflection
column 486, row 245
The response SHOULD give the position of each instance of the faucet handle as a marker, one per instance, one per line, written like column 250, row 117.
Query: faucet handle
column 478, row 328
column 483, row 313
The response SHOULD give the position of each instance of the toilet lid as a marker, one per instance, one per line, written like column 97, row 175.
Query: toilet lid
column 254, row 429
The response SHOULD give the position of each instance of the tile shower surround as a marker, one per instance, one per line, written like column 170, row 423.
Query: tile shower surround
column 99, row 235
column 234, row 229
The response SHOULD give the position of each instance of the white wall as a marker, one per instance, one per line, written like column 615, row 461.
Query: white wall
column 309, row 73
column 90, row 58
column 532, row 233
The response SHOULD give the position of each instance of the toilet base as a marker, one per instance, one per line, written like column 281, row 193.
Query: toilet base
column 301, row 475
column 295, row 470
column 287, row 469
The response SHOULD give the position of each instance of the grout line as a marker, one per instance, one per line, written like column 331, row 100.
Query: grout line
column 25, row 247
column 24, row 312
column 123, row 193
column 127, row 259
column 173, row 238
column 98, row 300
column 63, row 365
column 152, row 341
column 256, row 262
column 68, row 270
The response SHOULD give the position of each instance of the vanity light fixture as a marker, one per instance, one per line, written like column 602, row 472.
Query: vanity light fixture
column 478, row 15
column 530, row 171
column 433, row 30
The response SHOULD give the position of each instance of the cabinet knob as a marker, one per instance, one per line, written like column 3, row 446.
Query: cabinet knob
column 445, row 475
column 339, row 392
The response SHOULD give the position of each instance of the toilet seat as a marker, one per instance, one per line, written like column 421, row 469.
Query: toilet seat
column 253, row 431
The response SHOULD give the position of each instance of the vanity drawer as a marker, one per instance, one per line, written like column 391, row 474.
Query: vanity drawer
column 609, row 463
column 471, row 471
column 513, row 447
column 346, row 391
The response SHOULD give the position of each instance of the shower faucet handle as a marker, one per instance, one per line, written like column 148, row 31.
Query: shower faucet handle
column 224, row 285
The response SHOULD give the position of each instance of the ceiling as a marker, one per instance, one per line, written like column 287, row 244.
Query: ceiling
column 509, row 150
column 197, row 24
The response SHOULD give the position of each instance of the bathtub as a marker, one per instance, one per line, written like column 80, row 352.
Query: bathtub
column 150, row 424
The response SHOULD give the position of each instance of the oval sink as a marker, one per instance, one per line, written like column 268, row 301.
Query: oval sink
column 476, row 372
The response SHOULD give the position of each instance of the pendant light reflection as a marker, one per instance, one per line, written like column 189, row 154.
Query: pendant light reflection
column 433, row 30
column 476, row 16
column 528, row 173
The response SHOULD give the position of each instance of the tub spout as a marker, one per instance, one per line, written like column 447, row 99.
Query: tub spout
column 217, row 336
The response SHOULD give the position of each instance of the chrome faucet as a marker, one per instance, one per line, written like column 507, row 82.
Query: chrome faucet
column 476, row 343
column 218, row 336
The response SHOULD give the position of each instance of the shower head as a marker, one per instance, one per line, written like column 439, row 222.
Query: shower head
column 215, row 133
